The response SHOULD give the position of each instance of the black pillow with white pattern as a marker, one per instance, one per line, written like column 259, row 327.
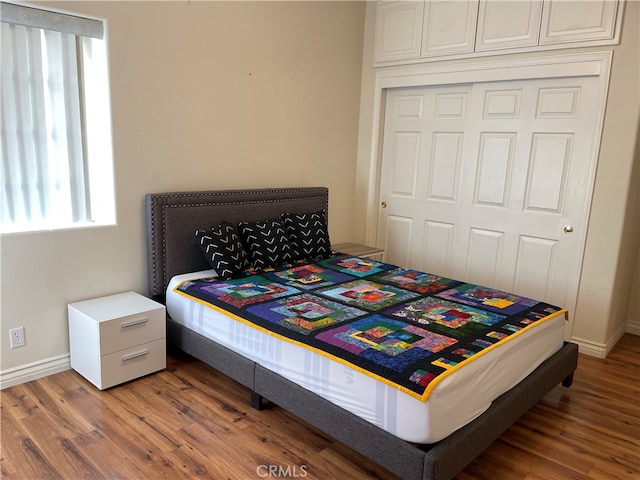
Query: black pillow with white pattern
column 308, row 234
column 223, row 250
column 267, row 243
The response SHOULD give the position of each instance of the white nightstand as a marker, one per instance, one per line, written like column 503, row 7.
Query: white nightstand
column 117, row 338
column 358, row 250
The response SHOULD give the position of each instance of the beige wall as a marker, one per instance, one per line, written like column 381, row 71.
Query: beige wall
column 205, row 95
column 633, row 310
column 612, row 239
column 632, row 247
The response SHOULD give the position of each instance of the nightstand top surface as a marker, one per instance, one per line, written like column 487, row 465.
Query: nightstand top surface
column 115, row 306
column 356, row 249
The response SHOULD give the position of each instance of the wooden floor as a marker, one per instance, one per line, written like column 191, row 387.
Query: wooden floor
column 188, row 421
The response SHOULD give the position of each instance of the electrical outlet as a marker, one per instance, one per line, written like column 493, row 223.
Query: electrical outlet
column 16, row 337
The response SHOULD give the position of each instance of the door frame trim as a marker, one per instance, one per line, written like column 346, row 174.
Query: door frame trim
column 570, row 65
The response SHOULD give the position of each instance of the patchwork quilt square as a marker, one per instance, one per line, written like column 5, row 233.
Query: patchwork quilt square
column 389, row 343
column 415, row 280
column 304, row 313
column 368, row 295
column 240, row 292
column 307, row 277
column 356, row 266
column 488, row 299
column 452, row 315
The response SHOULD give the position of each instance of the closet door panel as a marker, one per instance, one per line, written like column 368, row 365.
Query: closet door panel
column 488, row 182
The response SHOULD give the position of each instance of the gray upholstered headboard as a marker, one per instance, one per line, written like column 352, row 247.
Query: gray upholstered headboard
column 173, row 218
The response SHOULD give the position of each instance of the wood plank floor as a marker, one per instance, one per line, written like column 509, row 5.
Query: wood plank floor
column 189, row 421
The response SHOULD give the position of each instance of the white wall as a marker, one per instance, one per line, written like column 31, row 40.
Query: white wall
column 205, row 95
column 631, row 245
column 614, row 226
column 633, row 311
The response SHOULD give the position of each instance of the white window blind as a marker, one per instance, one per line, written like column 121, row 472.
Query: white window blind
column 46, row 117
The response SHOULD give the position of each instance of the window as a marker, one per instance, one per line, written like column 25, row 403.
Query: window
column 56, row 163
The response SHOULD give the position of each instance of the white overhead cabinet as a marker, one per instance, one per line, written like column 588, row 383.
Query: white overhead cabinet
column 415, row 31
column 398, row 31
column 508, row 24
column 448, row 27
column 579, row 21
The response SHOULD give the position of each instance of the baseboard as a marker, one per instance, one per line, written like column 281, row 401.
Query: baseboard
column 600, row 350
column 633, row 328
column 33, row 371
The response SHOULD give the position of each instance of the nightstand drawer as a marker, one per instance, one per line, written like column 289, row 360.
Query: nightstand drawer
column 118, row 367
column 125, row 332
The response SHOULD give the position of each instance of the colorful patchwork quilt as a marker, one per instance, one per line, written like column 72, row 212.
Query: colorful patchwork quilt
column 407, row 328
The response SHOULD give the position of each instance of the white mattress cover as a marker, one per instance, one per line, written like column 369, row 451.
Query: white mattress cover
column 455, row 401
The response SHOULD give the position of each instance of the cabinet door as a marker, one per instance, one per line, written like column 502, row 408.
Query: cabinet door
column 508, row 24
column 576, row 21
column 449, row 27
column 398, row 31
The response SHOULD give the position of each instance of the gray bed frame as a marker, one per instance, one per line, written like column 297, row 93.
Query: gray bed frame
column 172, row 219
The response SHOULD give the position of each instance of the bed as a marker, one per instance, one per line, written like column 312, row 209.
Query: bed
column 440, row 453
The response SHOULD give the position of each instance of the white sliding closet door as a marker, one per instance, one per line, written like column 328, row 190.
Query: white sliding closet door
column 488, row 182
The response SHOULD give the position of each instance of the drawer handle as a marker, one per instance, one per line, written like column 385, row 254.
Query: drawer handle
column 135, row 355
column 133, row 323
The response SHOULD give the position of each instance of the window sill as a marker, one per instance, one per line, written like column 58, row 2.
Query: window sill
column 45, row 227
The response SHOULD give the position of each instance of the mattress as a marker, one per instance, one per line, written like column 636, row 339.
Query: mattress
column 455, row 401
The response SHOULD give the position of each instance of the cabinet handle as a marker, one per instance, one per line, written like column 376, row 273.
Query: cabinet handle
column 135, row 355
column 133, row 323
